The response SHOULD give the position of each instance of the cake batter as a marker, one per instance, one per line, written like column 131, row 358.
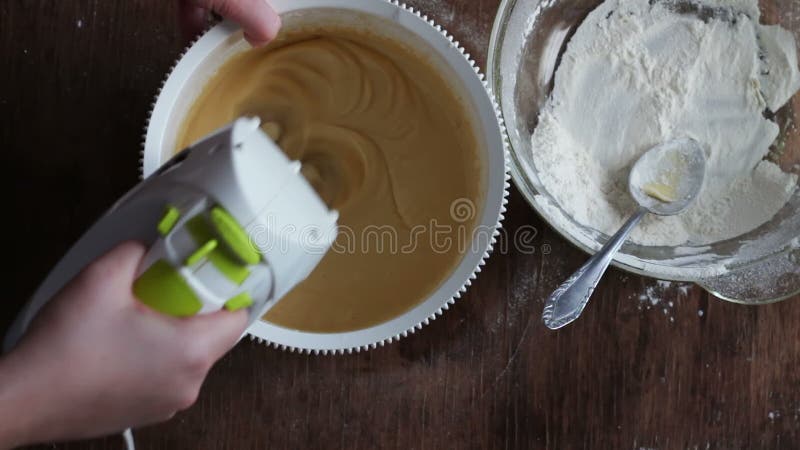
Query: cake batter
column 384, row 140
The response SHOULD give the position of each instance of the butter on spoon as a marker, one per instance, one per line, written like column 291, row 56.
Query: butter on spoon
column 665, row 181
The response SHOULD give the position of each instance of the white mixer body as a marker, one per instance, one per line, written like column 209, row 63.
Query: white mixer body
column 230, row 223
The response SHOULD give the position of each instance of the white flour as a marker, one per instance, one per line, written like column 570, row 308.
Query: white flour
column 636, row 75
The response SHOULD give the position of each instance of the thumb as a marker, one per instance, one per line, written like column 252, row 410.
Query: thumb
column 115, row 271
column 192, row 19
column 258, row 19
column 217, row 332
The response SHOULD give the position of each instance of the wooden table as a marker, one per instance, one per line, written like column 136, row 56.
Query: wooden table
column 76, row 83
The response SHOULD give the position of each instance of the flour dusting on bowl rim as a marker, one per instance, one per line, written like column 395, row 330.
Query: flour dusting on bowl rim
column 486, row 115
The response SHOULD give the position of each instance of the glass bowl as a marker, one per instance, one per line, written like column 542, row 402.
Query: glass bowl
column 761, row 266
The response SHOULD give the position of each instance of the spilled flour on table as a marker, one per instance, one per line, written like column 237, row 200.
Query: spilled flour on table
column 662, row 296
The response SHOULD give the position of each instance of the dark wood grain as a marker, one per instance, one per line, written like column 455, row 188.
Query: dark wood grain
column 76, row 81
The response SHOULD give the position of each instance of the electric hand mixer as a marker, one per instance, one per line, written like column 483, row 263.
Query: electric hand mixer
column 230, row 223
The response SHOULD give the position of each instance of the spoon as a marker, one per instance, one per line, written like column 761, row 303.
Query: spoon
column 665, row 181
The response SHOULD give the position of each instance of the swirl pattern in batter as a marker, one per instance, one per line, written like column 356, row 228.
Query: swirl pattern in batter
column 383, row 139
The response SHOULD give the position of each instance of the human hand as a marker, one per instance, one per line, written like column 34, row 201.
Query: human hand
column 96, row 360
column 259, row 21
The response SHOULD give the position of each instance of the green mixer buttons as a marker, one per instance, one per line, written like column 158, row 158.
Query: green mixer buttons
column 234, row 236
column 201, row 252
column 167, row 223
column 163, row 288
column 238, row 302
column 227, row 264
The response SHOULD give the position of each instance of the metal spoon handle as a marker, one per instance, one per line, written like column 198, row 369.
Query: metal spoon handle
column 568, row 301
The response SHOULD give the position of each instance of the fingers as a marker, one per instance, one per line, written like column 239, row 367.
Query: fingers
column 259, row 21
column 212, row 335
